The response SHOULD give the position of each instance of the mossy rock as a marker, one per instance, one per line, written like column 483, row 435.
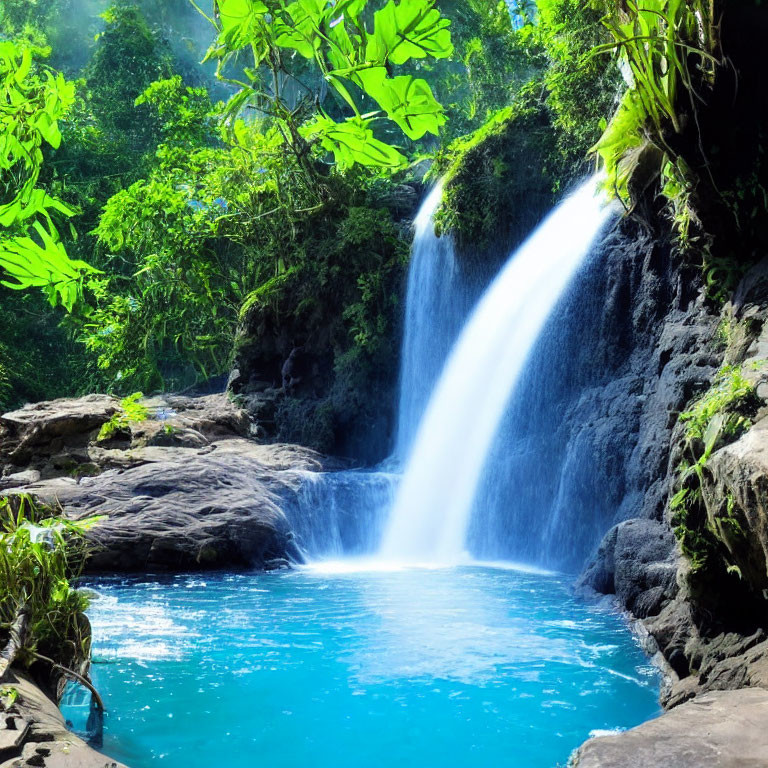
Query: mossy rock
column 499, row 183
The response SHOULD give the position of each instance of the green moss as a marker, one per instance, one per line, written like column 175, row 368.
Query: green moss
column 306, row 422
column 718, row 417
column 499, row 181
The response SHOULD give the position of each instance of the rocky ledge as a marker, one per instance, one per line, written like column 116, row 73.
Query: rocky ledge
column 33, row 733
column 724, row 729
column 184, row 489
column 702, row 611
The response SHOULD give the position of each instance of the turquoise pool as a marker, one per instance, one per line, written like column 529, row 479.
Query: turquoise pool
column 461, row 667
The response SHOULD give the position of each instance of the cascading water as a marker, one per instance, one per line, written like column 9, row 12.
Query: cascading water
column 343, row 513
column 431, row 514
column 437, row 302
column 337, row 514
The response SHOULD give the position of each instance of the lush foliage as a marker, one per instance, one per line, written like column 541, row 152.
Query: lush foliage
column 581, row 88
column 503, row 177
column 716, row 418
column 40, row 554
column 39, row 359
column 33, row 99
column 355, row 59
column 201, row 221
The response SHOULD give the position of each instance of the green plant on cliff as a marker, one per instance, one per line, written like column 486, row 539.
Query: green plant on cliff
column 132, row 411
column 668, row 51
column 499, row 180
column 503, row 177
column 718, row 417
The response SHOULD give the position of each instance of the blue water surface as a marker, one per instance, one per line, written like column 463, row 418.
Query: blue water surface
column 467, row 666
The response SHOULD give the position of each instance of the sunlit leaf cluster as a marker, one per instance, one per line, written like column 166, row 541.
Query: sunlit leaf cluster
column 667, row 50
column 33, row 99
column 354, row 50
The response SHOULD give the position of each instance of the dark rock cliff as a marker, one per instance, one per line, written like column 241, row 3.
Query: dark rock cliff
column 587, row 439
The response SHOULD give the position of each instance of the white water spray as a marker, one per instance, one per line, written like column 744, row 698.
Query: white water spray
column 434, row 311
column 431, row 514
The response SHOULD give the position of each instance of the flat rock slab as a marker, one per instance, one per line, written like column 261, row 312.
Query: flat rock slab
column 11, row 741
column 47, row 743
column 58, row 417
column 720, row 729
column 179, row 509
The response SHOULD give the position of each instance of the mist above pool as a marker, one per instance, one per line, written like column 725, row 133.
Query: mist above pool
column 468, row 666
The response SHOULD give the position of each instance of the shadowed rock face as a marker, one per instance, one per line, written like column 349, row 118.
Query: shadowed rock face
column 637, row 562
column 724, row 729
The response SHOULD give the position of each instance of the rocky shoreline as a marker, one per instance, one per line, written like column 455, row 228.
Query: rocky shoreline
column 709, row 634
column 185, row 489
column 33, row 733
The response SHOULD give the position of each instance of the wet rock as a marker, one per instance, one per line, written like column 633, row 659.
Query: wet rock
column 183, row 489
column 636, row 561
column 180, row 509
column 216, row 417
column 39, row 736
column 724, row 729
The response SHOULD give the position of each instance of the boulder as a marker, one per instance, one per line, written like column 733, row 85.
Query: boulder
column 636, row 561
column 19, row 478
column 178, row 509
column 184, row 489
column 724, row 729
column 31, row 436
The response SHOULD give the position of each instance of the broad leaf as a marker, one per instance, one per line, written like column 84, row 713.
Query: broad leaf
column 240, row 21
column 353, row 142
column 406, row 100
column 411, row 29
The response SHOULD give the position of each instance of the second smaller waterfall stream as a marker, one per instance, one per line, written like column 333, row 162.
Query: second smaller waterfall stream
column 431, row 514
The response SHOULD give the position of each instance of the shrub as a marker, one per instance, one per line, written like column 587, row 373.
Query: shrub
column 41, row 552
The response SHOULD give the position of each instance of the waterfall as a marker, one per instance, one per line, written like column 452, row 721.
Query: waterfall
column 431, row 514
column 437, row 301
column 337, row 514
column 343, row 513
